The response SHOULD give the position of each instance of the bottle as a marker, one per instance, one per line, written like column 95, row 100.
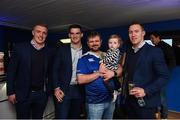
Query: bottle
column 141, row 102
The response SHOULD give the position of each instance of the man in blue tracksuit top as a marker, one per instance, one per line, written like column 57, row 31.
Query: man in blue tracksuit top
column 99, row 103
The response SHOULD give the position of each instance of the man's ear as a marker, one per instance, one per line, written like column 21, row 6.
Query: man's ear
column 144, row 33
column 33, row 32
column 82, row 34
column 69, row 35
column 101, row 42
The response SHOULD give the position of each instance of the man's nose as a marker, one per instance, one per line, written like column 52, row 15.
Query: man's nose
column 133, row 34
column 41, row 34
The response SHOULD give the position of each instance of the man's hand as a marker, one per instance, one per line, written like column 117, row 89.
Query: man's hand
column 12, row 98
column 108, row 74
column 59, row 94
column 102, row 68
column 138, row 92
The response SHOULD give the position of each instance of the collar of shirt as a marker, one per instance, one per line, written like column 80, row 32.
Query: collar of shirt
column 101, row 54
column 35, row 46
column 77, row 49
column 139, row 47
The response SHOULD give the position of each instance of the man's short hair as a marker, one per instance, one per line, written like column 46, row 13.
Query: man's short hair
column 93, row 34
column 155, row 33
column 41, row 24
column 74, row 26
column 137, row 23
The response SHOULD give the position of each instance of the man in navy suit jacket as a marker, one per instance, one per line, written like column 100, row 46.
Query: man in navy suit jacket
column 28, row 72
column 146, row 69
column 69, row 96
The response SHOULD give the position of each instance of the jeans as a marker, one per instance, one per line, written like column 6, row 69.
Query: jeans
column 100, row 110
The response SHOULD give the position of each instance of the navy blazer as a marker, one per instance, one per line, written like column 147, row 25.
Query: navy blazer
column 19, row 70
column 62, row 68
column 151, row 73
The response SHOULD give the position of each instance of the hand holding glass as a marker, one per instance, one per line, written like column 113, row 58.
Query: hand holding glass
column 141, row 101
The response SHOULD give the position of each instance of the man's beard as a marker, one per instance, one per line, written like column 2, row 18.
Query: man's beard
column 94, row 50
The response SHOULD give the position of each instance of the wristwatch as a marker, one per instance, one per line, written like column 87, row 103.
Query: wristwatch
column 115, row 74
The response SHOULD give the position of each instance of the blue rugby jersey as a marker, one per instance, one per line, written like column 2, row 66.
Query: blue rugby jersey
column 96, row 92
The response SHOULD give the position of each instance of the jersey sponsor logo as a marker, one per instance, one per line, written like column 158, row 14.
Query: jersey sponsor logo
column 91, row 60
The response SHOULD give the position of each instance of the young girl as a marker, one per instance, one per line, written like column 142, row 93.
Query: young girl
column 111, row 59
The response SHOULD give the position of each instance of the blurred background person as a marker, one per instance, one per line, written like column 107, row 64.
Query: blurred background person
column 170, row 59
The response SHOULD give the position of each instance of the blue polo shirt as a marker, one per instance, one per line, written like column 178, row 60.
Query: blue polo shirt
column 96, row 92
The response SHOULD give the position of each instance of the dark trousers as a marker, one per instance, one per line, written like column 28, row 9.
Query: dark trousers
column 119, row 112
column 163, row 107
column 71, row 106
column 33, row 107
column 134, row 111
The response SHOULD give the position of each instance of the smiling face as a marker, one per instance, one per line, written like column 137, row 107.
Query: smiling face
column 39, row 34
column 94, row 43
column 136, row 34
column 75, row 35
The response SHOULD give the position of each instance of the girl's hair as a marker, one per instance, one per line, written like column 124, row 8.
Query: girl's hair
column 118, row 37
